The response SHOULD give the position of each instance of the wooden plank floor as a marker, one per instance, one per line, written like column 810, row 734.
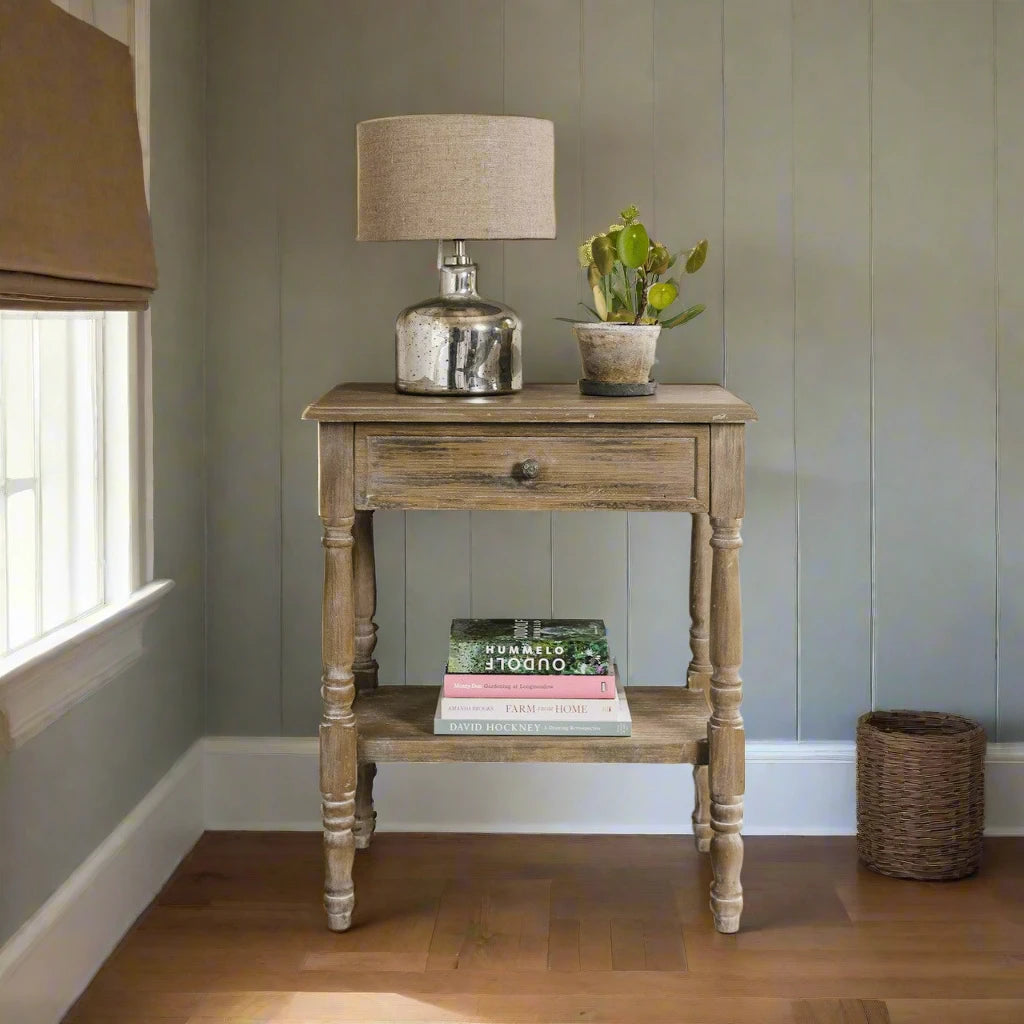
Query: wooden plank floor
column 565, row 928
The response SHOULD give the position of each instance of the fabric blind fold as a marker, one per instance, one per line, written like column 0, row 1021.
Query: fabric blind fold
column 74, row 225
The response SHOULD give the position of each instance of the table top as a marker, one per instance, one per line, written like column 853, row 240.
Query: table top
column 536, row 403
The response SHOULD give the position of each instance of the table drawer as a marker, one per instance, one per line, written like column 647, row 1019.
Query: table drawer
column 532, row 467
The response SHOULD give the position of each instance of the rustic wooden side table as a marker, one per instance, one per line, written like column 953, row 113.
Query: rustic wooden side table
column 547, row 448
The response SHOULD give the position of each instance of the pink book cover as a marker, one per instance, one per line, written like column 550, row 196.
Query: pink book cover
column 571, row 687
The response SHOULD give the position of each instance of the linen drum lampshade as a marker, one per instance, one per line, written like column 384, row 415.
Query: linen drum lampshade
column 456, row 177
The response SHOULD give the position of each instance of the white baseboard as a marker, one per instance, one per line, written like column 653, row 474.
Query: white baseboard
column 792, row 789
column 271, row 784
column 47, row 963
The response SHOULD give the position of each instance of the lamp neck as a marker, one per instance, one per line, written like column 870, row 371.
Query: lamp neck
column 458, row 273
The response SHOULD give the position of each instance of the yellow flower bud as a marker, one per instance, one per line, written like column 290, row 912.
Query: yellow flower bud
column 585, row 253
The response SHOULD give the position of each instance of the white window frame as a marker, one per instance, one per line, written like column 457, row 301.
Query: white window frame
column 42, row 680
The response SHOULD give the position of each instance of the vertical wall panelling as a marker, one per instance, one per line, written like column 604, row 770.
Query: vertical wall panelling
column 617, row 169
column 511, row 565
column 618, row 135
column 437, row 570
column 542, row 79
column 389, row 552
column 659, row 572
column 845, row 167
column 244, row 558
column 686, row 119
column 318, row 315
column 934, row 439
column 759, row 326
column 511, row 561
column 588, row 560
column 541, row 68
column 1010, row 225
column 687, row 166
column 831, row 69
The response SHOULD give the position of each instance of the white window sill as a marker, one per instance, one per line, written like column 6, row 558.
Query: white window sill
column 40, row 682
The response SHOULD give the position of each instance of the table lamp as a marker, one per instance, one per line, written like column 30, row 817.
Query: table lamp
column 454, row 177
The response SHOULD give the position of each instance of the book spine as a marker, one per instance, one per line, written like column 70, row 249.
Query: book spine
column 490, row 657
column 444, row 726
column 499, row 686
column 528, row 710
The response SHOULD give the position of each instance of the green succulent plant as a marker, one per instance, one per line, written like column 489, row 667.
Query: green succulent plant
column 625, row 267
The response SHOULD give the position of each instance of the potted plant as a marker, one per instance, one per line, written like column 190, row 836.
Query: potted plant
column 634, row 292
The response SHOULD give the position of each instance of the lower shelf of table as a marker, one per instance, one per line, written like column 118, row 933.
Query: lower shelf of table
column 670, row 726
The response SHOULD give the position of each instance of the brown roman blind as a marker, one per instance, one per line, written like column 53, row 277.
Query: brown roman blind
column 74, row 225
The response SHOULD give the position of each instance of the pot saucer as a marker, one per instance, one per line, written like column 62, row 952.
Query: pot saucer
column 603, row 389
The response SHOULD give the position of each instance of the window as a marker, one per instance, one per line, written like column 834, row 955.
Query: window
column 76, row 573
column 68, row 542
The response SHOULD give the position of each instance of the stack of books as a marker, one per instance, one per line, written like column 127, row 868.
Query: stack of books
column 543, row 677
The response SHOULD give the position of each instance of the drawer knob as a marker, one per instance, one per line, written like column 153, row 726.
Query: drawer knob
column 530, row 469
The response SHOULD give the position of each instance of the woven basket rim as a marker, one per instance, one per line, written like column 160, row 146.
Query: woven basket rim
column 966, row 727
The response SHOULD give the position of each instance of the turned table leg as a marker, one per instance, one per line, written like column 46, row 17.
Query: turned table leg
column 338, row 726
column 365, row 666
column 726, row 764
column 698, row 676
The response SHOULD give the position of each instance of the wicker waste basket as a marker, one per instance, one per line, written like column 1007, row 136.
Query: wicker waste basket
column 920, row 794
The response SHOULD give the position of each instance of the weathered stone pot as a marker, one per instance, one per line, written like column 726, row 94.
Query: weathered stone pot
column 617, row 353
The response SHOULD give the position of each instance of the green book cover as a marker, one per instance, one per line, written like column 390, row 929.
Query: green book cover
column 529, row 647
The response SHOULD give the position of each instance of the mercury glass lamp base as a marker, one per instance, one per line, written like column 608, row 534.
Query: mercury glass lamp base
column 458, row 343
column 417, row 388
column 456, row 346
